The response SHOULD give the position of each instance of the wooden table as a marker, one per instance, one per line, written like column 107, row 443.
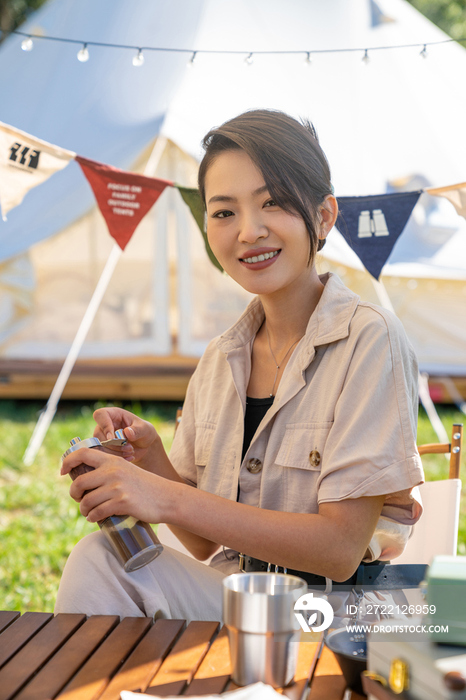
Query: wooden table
column 72, row 657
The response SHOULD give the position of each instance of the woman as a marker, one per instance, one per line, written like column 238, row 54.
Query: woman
column 299, row 423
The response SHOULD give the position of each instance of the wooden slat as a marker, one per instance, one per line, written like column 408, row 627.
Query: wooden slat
column 17, row 634
column 434, row 448
column 7, row 617
column 214, row 672
column 328, row 682
column 92, row 679
column 183, row 661
column 308, row 655
column 68, row 660
column 30, row 659
column 146, row 659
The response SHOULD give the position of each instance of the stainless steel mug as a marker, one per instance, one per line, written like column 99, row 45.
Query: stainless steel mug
column 258, row 610
column 133, row 541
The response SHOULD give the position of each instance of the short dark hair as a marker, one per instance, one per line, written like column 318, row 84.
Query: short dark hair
column 287, row 153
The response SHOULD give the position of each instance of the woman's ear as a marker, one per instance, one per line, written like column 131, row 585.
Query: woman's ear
column 328, row 212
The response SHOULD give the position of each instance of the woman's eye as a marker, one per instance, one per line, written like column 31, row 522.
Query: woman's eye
column 222, row 214
column 270, row 203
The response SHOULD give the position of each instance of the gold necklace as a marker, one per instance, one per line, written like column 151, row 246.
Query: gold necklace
column 275, row 359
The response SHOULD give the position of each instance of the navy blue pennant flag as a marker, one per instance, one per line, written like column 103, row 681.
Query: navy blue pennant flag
column 372, row 225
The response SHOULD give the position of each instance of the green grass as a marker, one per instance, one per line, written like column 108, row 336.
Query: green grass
column 40, row 523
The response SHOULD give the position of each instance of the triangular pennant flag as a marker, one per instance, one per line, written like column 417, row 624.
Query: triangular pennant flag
column 371, row 225
column 192, row 198
column 124, row 198
column 456, row 194
column 25, row 162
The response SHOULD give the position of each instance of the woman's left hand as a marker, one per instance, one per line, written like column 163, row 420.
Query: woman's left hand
column 116, row 487
column 141, row 435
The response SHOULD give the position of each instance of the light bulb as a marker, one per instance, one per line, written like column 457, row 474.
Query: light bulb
column 248, row 61
column 424, row 53
column 138, row 60
column 27, row 44
column 308, row 59
column 365, row 58
column 192, row 60
column 83, row 54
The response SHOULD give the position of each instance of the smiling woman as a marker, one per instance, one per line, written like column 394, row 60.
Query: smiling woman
column 297, row 443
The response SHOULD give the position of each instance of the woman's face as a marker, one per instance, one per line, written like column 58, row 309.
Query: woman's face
column 261, row 246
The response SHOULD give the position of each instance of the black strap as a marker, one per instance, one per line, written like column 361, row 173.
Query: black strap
column 371, row 575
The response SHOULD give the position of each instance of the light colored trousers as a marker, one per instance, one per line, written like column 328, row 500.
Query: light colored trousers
column 172, row 586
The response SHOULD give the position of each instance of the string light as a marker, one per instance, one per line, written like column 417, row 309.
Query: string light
column 248, row 61
column 308, row 59
column 83, row 54
column 27, row 44
column 138, row 60
column 192, row 60
column 365, row 58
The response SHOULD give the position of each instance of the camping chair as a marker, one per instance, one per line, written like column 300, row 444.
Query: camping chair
column 437, row 530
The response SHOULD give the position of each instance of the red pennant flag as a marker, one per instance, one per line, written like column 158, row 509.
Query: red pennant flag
column 124, row 198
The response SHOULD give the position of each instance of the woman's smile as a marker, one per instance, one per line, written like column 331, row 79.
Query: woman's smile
column 259, row 258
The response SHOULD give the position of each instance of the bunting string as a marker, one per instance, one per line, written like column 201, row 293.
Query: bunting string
column 371, row 224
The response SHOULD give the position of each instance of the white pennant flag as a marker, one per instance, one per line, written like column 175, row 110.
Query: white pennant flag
column 25, row 162
column 456, row 194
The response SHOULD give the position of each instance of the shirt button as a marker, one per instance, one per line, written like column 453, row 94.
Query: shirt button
column 254, row 465
column 314, row 458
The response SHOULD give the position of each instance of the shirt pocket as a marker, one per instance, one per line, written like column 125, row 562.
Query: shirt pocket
column 303, row 445
column 203, row 442
column 202, row 449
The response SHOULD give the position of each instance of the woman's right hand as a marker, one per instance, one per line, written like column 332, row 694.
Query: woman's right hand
column 141, row 434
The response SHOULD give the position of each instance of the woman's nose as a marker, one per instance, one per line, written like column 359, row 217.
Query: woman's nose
column 251, row 229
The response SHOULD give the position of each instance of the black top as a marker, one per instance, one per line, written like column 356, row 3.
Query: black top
column 255, row 411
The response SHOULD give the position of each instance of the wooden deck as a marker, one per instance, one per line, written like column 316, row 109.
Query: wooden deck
column 142, row 378
column 147, row 378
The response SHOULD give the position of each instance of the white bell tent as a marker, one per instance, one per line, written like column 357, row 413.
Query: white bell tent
column 395, row 121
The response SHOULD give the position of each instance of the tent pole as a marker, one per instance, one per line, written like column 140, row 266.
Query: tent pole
column 429, row 407
column 47, row 415
column 424, row 395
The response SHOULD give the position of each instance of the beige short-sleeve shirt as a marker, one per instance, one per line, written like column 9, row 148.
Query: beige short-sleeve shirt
column 342, row 425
